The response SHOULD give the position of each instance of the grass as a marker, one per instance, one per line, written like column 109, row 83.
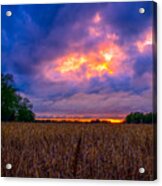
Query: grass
column 88, row 151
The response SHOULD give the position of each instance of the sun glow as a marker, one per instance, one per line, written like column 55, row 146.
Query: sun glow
column 84, row 120
column 71, row 62
column 107, row 56
column 106, row 59
column 116, row 121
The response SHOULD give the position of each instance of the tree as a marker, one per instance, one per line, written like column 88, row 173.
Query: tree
column 9, row 99
column 138, row 117
column 24, row 112
column 150, row 118
column 14, row 107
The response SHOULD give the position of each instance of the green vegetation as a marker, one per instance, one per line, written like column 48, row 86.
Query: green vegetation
column 13, row 106
column 138, row 117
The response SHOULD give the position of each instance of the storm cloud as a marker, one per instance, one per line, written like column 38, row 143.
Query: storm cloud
column 81, row 59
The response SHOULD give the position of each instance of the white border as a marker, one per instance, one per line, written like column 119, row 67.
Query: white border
column 65, row 182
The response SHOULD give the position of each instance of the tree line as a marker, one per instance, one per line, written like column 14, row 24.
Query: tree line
column 13, row 106
column 138, row 117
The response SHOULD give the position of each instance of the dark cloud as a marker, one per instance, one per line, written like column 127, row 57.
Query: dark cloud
column 112, row 104
column 33, row 41
column 143, row 64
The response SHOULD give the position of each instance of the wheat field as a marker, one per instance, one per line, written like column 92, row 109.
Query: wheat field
column 82, row 151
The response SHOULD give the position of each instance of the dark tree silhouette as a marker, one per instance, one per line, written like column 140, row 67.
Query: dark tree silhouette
column 9, row 98
column 24, row 110
column 138, row 117
column 13, row 106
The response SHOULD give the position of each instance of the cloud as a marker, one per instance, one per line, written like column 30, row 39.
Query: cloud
column 100, row 105
column 60, row 57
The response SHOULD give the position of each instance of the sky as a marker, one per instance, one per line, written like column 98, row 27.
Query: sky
column 81, row 60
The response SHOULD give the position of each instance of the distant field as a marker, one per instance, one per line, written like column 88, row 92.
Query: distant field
column 89, row 151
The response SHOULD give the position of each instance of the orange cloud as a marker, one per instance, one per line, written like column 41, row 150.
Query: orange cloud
column 71, row 62
column 112, row 37
column 147, row 41
column 94, row 31
column 108, row 59
column 97, row 18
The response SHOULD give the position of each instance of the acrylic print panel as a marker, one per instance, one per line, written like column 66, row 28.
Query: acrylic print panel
column 79, row 91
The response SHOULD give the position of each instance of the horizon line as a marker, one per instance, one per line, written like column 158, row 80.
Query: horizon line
column 111, row 120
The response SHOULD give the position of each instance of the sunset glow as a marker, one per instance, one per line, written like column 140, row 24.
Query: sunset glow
column 83, row 120
column 106, row 60
column 81, row 60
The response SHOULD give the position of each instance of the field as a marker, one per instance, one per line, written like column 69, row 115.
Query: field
column 88, row 151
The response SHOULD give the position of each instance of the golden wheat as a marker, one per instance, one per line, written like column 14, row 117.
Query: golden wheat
column 88, row 151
